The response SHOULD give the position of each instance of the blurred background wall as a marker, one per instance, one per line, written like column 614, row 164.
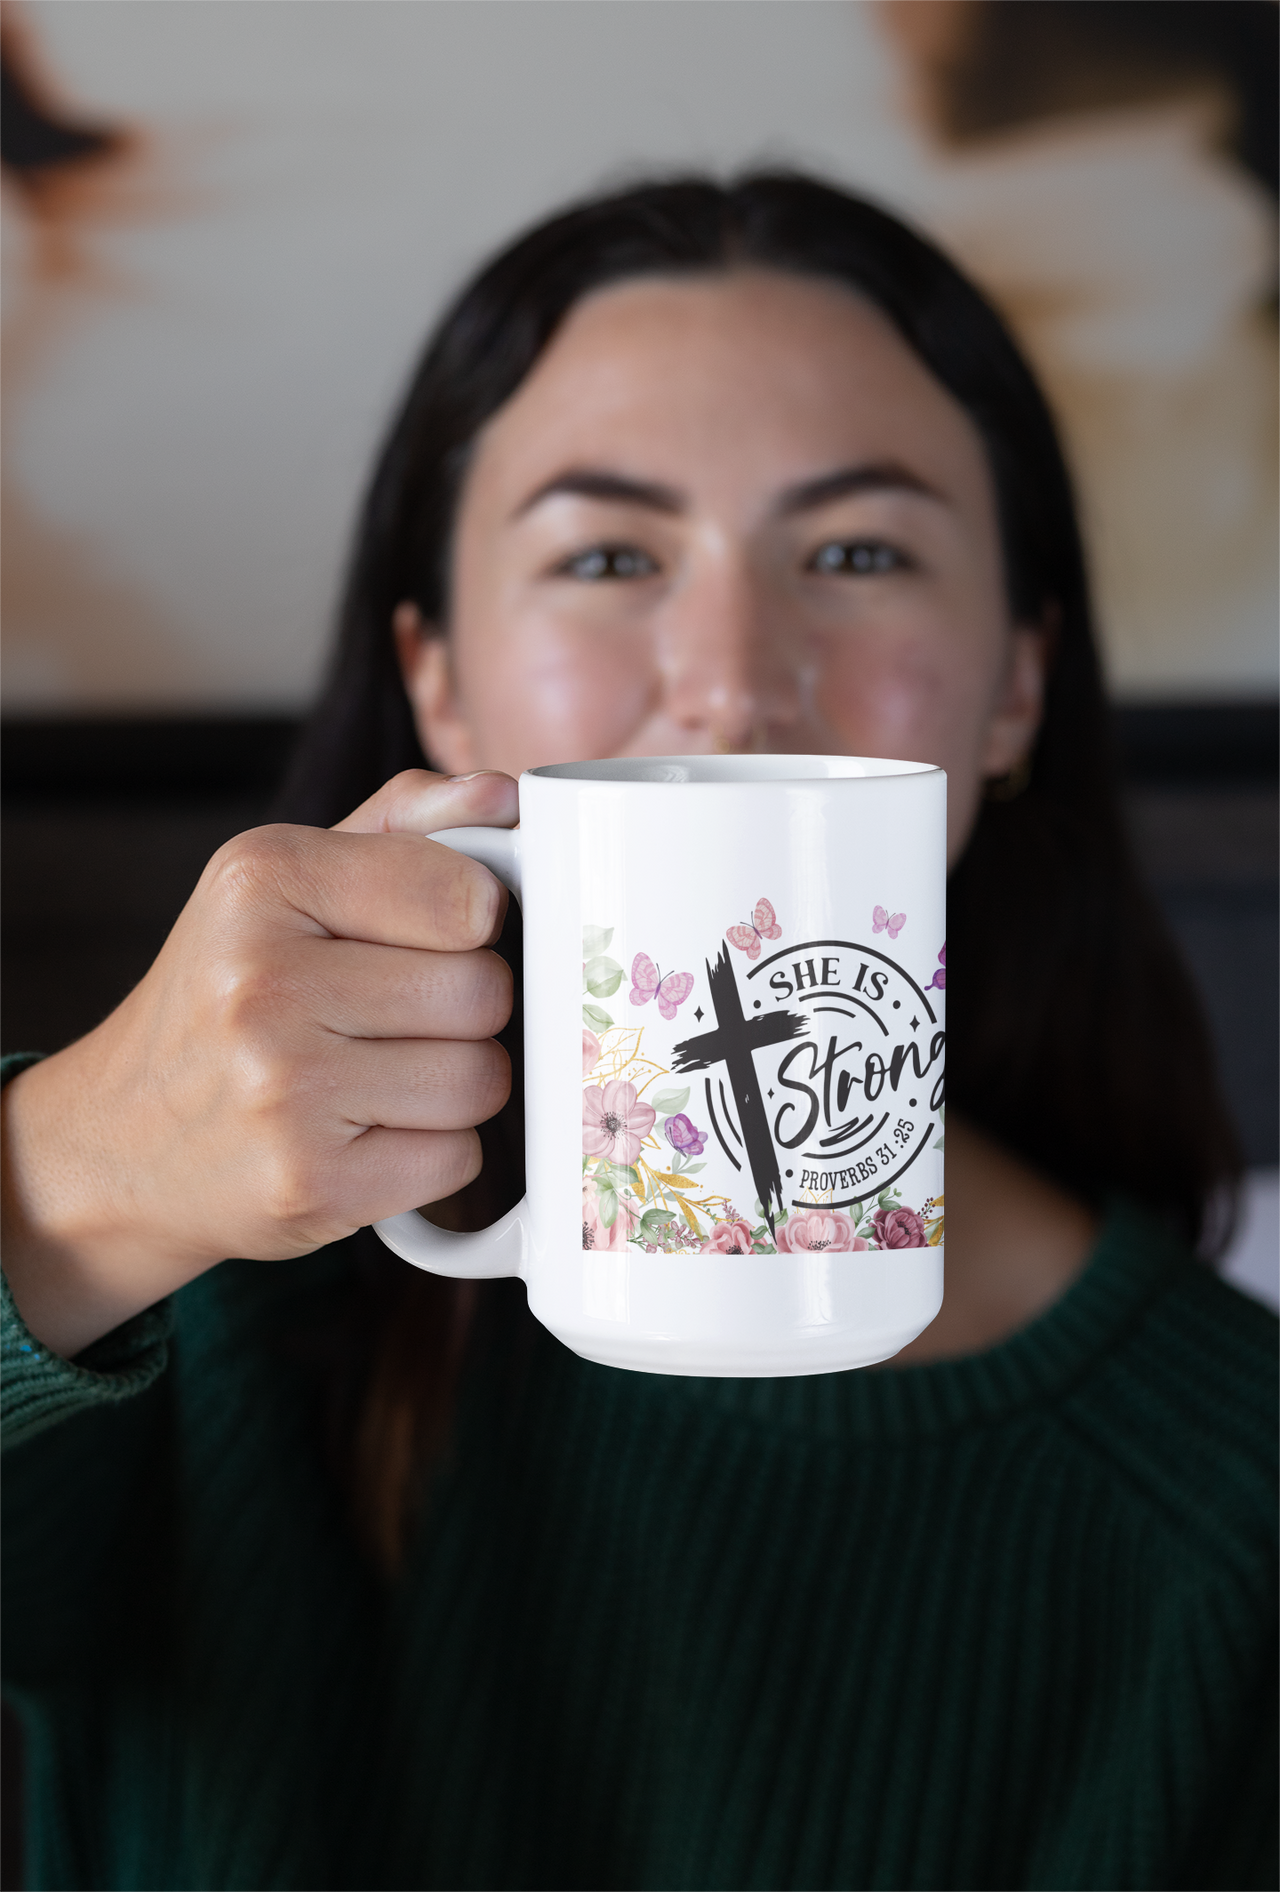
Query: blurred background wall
column 203, row 363
column 227, row 227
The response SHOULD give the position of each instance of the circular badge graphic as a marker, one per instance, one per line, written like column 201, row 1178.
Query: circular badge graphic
column 823, row 1071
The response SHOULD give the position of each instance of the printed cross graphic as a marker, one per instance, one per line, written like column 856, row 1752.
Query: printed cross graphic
column 733, row 1043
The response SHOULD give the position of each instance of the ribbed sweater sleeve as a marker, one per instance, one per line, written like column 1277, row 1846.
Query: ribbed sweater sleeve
column 83, row 1442
column 38, row 1388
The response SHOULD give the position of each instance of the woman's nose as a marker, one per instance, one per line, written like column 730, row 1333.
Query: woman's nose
column 730, row 666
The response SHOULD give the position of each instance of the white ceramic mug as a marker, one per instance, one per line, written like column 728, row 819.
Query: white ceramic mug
column 734, row 973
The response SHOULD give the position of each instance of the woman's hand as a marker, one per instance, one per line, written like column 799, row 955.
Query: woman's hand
column 310, row 1052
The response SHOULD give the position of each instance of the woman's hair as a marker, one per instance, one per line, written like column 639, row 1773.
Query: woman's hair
column 1076, row 1039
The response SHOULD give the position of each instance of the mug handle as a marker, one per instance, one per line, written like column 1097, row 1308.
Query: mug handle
column 503, row 1248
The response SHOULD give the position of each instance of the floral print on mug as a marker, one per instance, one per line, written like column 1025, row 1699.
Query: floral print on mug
column 643, row 1145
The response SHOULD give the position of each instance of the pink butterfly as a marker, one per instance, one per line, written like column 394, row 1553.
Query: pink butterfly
column 647, row 983
column 764, row 925
column 894, row 921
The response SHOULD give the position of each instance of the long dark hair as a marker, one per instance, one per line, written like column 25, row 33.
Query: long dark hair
column 1075, row 1035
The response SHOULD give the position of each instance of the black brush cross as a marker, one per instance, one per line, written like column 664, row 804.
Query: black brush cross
column 732, row 1044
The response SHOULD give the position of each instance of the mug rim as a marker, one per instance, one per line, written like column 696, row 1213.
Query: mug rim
column 716, row 771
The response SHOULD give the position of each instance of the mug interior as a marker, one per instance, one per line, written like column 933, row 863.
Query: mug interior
column 728, row 768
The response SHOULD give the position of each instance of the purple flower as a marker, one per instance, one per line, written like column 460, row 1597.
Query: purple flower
column 685, row 1136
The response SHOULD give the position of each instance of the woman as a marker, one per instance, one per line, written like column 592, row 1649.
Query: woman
column 685, row 469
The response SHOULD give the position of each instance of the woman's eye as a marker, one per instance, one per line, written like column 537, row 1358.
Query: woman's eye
column 609, row 561
column 858, row 558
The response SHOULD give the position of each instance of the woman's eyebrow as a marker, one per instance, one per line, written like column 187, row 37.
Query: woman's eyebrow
column 589, row 482
column 881, row 476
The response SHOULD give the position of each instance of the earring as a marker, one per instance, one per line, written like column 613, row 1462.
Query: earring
column 1009, row 787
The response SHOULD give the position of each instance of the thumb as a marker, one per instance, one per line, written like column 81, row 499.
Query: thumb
column 420, row 802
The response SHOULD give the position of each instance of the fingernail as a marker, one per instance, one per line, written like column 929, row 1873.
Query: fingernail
column 470, row 778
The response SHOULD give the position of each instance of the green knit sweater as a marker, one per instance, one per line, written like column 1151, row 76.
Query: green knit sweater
column 1002, row 1622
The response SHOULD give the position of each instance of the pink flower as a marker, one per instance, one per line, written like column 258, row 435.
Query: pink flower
column 594, row 1233
column 728, row 1238
column 614, row 1121
column 899, row 1228
column 590, row 1051
column 811, row 1231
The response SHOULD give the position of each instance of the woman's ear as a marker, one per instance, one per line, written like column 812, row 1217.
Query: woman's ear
column 423, row 654
column 1019, row 705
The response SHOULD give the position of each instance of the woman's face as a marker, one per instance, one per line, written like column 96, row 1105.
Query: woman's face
column 728, row 513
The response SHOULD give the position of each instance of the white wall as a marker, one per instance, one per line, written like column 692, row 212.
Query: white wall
column 1253, row 1261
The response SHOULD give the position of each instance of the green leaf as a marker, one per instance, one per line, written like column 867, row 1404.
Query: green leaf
column 656, row 1224
column 602, row 977
column 598, row 1020
column 608, row 1205
column 667, row 1103
column 939, row 1144
column 595, row 939
column 619, row 1176
column 889, row 1199
column 691, row 1169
